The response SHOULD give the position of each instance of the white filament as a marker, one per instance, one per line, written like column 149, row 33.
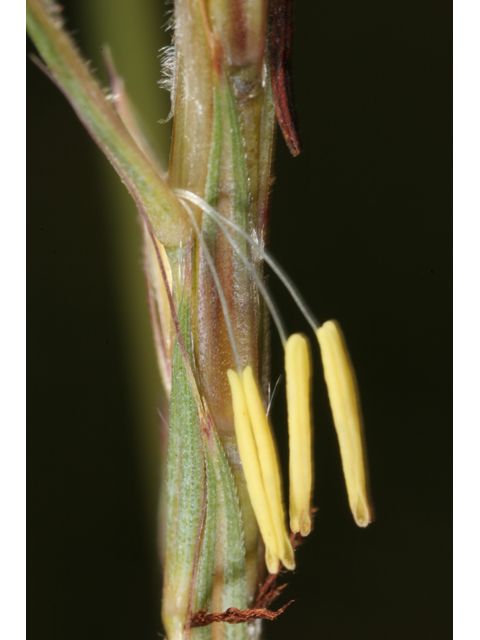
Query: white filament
column 218, row 285
column 269, row 259
column 251, row 270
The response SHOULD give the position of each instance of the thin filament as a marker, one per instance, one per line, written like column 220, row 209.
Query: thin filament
column 218, row 285
column 261, row 287
column 269, row 259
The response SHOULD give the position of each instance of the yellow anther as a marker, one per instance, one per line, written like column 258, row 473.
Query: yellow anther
column 272, row 562
column 345, row 405
column 297, row 368
column 267, row 456
column 288, row 556
column 251, row 468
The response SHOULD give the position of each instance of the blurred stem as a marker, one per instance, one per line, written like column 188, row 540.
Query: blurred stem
column 132, row 30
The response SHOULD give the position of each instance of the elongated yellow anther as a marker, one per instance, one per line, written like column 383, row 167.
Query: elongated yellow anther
column 251, row 468
column 298, row 374
column 345, row 405
column 267, row 457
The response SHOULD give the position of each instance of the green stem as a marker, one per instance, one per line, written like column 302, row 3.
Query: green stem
column 73, row 77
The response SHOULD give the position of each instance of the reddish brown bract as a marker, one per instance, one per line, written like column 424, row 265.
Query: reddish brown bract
column 280, row 50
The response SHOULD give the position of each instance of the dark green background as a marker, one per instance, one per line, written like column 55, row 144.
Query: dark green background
column 361, row 221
